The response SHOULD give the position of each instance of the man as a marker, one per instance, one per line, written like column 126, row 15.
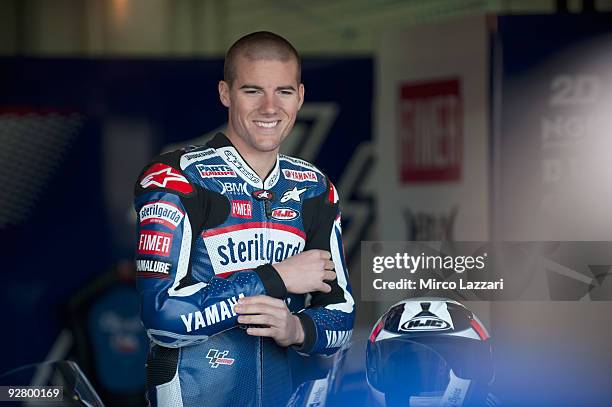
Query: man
column 239, row 250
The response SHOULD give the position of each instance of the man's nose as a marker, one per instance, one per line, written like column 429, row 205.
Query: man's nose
column 268, row 104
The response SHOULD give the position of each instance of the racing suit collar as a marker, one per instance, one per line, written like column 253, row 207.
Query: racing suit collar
column 219, row 140
column 232, row 157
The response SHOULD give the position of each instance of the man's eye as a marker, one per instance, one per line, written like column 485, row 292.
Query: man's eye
column 286, row 92
column 251, row 91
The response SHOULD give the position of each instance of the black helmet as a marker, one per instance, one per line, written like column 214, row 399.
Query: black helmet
column 429, row 352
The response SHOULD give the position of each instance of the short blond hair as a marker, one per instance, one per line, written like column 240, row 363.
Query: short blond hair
column 257, row 46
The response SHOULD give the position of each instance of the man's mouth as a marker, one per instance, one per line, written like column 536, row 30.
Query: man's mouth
column 266, row 125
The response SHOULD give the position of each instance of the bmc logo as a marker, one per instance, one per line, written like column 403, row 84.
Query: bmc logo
column 425, row 324
column 242, row 209
column 300, row 175
column 284, row 214
column 157, row 243
column 217, row 358
column 210, row 171
column 234, row 188
column 430, row 133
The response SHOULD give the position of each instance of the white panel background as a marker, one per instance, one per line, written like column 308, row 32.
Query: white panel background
column 435, row 51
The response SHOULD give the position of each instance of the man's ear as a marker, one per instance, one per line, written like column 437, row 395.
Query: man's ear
column 301, row 95
column 224, row 93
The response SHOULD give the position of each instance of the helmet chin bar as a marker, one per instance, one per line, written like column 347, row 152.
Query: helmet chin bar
column 429, row 352
column 453, row 396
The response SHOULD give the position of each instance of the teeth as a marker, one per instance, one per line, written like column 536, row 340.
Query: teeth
column 267, row 125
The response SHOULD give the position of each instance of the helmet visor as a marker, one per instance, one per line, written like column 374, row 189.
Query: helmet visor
column 400, row 365
column 422, row 365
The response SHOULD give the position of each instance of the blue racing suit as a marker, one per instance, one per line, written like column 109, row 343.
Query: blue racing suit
column 209, row 231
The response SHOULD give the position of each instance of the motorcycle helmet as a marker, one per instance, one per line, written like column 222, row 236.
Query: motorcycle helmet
column 430, row 352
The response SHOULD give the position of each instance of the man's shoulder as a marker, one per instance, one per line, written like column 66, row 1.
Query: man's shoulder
column 297, row 169
column 168, row 170
column 194, row 154
column 318, row 183
column 183, row 157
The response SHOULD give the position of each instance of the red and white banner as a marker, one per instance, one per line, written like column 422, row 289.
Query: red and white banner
column 432, row 132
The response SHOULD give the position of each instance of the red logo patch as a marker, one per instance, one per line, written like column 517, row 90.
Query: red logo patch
column 284, row 214
column 300, row 175
column 430, row 133
column 157, row 243
column 242, row 209
column 163, row 176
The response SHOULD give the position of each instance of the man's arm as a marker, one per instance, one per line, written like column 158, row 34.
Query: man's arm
column 302, row 273
column 328, row 319
column 178, row 309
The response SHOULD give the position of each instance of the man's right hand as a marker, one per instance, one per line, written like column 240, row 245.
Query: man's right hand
column 306, row 271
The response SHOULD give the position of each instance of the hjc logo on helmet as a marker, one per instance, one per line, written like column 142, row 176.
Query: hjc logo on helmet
column 423, row 323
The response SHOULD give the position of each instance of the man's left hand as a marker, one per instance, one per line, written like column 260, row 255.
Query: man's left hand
column 276, row 321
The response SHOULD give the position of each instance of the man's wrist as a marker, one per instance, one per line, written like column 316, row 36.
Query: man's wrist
column 272, row 281
column 299, row 331
column 282, row 273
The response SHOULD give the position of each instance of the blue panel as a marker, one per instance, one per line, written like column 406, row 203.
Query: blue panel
column 70, row 237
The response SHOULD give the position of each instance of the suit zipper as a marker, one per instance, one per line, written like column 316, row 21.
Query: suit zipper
column 268, row 209
column 261, row 361
column 268, row 212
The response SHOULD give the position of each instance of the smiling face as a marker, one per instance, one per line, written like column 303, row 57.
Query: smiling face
column 263, row 100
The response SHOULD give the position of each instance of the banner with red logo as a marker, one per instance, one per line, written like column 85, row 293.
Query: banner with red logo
column 432, row 132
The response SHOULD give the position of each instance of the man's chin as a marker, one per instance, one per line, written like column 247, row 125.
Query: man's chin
column 267, row 143
column 267, row 147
